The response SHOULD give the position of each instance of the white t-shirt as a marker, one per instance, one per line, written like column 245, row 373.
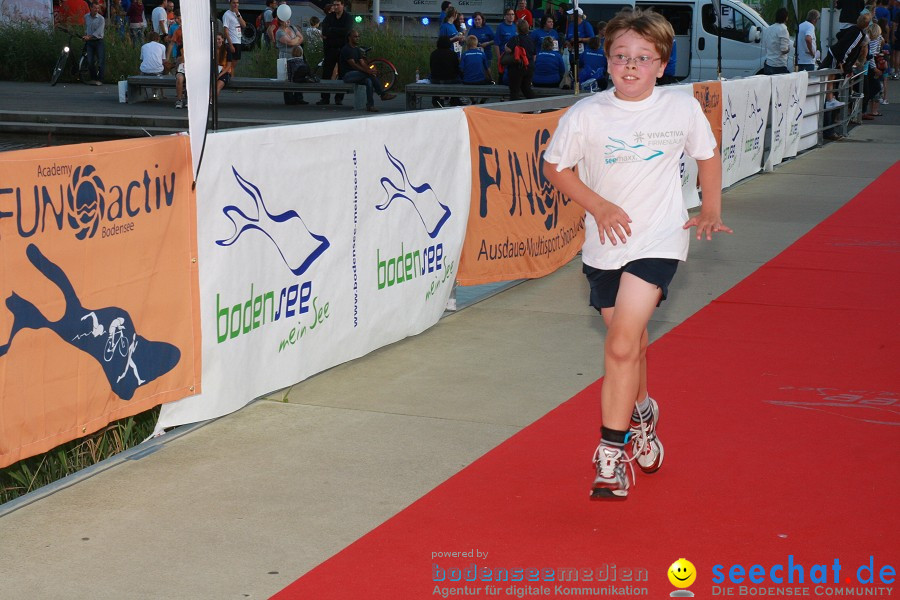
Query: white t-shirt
column 777, row 44
column 160, row 14
column 630, row 154
column 231, row 23
column 152, row 56
column 803, row 55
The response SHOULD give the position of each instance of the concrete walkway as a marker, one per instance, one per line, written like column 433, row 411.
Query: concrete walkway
column 244, row 505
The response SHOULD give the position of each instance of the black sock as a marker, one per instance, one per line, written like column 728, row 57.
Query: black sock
column 613, row 437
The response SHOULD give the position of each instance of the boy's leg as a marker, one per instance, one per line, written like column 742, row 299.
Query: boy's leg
column 625, row 377
column 625, row 350
column 607, row 314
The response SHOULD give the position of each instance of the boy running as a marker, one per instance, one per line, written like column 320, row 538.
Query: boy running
column 627, row 145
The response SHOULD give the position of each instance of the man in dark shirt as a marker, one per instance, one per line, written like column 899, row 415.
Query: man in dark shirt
column 353, row 68
column 335, row 31
column 521, row 72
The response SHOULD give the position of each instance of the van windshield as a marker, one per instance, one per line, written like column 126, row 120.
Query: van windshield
column 735, row 23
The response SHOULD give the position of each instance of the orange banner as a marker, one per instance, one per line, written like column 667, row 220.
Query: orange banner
column 98, row 280
column 520, row 226
column 709, row 95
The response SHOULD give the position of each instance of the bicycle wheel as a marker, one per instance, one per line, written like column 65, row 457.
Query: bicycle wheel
column 386, row 73
column 60, row 66
column 82, row 71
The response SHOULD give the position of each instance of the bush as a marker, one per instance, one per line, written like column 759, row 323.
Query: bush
column 407, row 53
column 30, row 52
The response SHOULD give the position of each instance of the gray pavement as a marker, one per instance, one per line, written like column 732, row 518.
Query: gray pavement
column 244, row 505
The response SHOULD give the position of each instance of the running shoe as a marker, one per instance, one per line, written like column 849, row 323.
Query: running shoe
column 645, row 445
column 611, row 482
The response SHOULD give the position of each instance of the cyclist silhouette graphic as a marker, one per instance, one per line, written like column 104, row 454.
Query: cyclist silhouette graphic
column 113, row 353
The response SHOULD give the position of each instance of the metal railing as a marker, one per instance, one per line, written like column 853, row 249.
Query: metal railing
column 845, row 89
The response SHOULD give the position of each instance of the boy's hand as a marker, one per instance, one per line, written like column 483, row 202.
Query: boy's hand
column 612, row 222
column 707, row 224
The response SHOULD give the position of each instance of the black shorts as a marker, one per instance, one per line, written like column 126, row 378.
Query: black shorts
column 605, row 283
column 233, row 56
column 224, row 78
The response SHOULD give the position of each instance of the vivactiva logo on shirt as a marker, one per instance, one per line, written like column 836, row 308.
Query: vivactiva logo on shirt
column 620, row 151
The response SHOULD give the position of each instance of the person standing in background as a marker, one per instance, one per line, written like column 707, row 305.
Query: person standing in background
column 94, row 27
column 335, row 35
column 806, row 46
column 777, row 43
column 233, row 23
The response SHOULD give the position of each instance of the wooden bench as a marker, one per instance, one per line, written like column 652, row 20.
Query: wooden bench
column 139, row 85
column 416, row 91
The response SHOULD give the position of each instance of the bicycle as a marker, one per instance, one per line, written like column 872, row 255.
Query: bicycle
column 79, row 69
column 115, row 341
column 385, row 71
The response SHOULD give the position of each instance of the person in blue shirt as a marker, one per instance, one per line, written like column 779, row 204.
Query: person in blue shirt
column 483, row 32
column 585, row 31
column 449, row 30
column 669, row 74
column 444, row 6
column 549, row 66
column 474, row 64
column 546, row 30
column 505, row 31
column 592, row 63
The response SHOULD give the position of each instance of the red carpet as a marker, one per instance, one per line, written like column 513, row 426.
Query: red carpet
column 780, row 410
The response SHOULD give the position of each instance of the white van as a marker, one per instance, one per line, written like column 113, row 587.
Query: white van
column 696, row 36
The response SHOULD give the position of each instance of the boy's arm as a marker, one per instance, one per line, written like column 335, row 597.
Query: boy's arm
column 710, row 218
column 612, row 221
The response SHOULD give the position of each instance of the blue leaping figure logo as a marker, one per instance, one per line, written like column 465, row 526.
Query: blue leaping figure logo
column 422, row 197
column 299, row 248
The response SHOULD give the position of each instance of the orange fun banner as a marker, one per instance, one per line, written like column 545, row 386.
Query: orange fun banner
column 98, row 283
column 709, row 95
column 520, row 226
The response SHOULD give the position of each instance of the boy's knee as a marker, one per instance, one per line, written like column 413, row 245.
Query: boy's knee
column 621, row 347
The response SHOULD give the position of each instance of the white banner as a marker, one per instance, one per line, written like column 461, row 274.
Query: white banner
column 788, row 92
column 321, row 242
column 744, row 116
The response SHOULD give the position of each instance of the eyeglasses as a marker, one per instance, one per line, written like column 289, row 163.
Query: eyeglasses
column 639, row 61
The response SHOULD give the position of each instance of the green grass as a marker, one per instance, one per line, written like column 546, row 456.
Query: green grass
column 32, row 473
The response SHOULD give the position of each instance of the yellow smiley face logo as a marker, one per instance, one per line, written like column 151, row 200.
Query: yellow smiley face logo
column 682, row 573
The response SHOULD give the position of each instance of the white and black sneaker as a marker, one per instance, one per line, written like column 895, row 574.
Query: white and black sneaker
column 612, row 481
column 645, row 445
